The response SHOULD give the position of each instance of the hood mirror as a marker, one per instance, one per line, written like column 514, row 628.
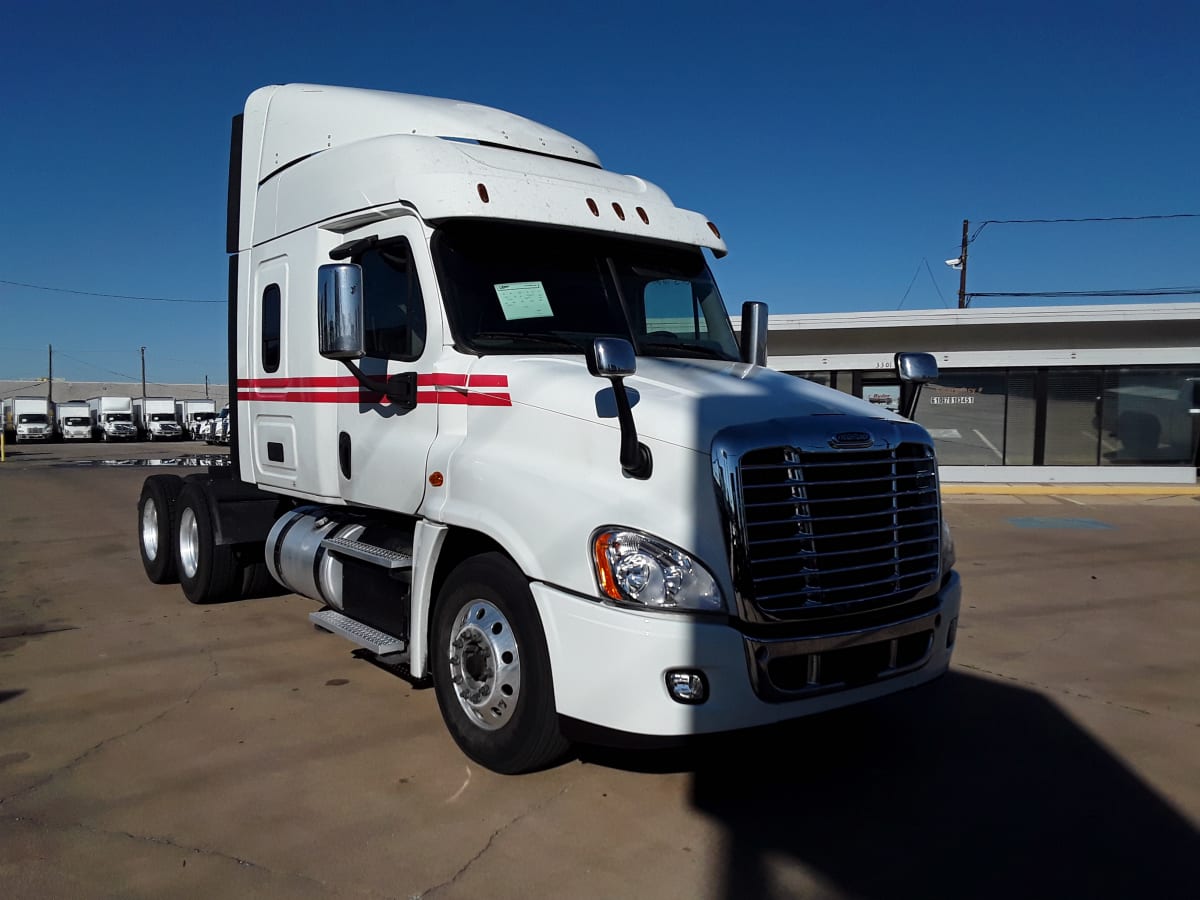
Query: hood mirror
column 614, row 359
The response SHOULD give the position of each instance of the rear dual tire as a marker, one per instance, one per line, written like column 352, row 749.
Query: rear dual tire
column 208, row 571
column 156, row 526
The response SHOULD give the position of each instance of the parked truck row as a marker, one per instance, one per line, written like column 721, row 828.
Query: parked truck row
column 110, row 418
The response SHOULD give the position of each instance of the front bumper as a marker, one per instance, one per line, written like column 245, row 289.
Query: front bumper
column 610, row 665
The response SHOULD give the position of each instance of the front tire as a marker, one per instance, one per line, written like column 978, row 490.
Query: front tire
column 156, row 527
column 491, row 668
column 208, row 572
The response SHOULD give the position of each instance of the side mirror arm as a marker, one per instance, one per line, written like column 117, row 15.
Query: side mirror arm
column 636, row 461
column 401, row 390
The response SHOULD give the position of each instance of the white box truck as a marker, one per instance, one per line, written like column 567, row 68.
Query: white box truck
column 191, row 414
column 155, row 418
column 73, row 421
column 27, row 418
column 491, row 414
column 112, row 418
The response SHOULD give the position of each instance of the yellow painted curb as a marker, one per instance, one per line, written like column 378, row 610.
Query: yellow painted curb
column 1143, row 490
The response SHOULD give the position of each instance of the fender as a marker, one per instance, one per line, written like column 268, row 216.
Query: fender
column 428, row 539
column 241, row 513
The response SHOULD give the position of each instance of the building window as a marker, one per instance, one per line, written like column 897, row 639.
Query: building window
column 1112, row 416
column 272, row 308
column 394, row 324
column 1072, row 427
column 964, row 412
column 1149, row 416
column 1020, row 421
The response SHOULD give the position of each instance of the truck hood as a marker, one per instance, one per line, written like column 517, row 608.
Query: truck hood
column 677, row 401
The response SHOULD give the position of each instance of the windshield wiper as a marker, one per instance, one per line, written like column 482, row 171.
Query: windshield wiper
column 516, row 337
column 682, row 349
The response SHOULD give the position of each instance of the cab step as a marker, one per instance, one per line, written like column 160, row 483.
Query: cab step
column 379, row 556
column 378, row 642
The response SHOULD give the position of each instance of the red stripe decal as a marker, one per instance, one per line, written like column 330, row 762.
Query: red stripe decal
column 315, row 381
column 489, row 381
column 442, row 379
column 423, row 397
column 433, row 379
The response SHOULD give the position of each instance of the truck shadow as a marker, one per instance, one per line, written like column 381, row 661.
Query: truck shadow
column 967, row 788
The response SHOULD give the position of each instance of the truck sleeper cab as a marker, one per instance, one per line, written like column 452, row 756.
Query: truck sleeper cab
column 491, row 413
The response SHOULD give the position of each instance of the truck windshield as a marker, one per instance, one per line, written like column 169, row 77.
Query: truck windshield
column 529, row 289
column 203, row 417
column 31, row 419
column 162, row 417
column 76, row 420
column 118, row 417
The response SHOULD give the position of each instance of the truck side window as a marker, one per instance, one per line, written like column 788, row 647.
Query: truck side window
column 271, row 304
column 393, row 309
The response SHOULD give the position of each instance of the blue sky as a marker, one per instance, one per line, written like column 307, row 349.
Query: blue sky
column 836, row 145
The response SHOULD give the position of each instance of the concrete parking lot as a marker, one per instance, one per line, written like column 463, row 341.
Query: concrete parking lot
column 150, row 748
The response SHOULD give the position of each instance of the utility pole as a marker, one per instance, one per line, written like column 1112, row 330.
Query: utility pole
column 962, row 269
column 50, row 377
column 205, row 387
column 143, row 373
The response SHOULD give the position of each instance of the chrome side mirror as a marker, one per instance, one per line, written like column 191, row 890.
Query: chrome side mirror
column 914, row 370
column 754, row 333
column 340, row 312
column 611, row 358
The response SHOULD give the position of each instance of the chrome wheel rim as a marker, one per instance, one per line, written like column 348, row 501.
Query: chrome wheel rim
column 189, row 542
column 485, row 665
column 150, row 529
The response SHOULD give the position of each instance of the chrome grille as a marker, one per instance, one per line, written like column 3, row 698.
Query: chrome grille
column 833, row 532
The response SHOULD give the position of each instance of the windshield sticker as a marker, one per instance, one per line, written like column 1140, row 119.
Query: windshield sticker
column 523, row 300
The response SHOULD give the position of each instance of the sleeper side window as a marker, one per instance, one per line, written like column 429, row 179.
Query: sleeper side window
column 393, row 308
column 271, row 330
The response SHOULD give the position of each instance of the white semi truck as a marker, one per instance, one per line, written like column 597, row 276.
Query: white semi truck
column 155, row 418
column 27, row 418
column 490, row 412
column 192, row 414
column 112, row 418
column 73, row 421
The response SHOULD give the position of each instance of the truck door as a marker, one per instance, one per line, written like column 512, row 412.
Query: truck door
column 382, row 449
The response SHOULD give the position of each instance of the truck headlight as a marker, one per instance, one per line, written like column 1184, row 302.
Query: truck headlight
column 948, row 558
column 637, row 569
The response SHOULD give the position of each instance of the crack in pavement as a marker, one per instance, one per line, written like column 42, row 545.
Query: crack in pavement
column 71, row 764
column 537, row 807
column 1069, row 693
column 165, row 841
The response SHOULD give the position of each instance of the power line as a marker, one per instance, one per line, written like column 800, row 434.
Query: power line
column 913, row 281
column 987, row 222
column 934, row 281
column 1138, row 292
column 42, row 287
column 24, row 387
column 94, row 366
